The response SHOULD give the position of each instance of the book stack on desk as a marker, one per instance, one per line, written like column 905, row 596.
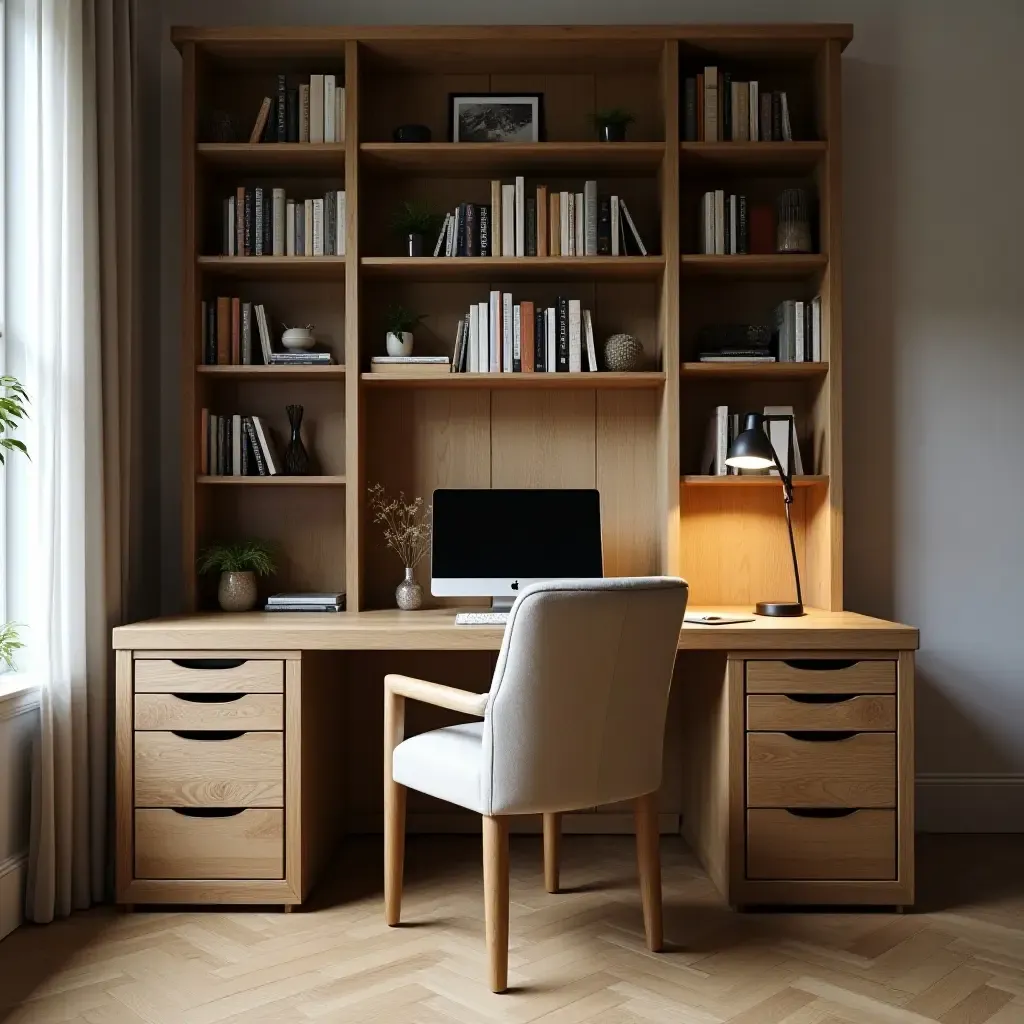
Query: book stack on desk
column 333, row 602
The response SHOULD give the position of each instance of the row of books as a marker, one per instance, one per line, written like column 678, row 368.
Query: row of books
column 541, row 224
column 795, row 336
column 331, row 601
column 718, row 109
column 729, row 225
column 237, row 333
column 236, row 445
column 723, row 428
column 263, row 221
column 798, row 330
column 312, row 111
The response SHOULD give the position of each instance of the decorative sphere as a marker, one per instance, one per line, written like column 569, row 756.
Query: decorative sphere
column 622, row 352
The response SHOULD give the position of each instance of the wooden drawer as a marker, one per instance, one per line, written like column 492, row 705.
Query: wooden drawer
column 782, row 712
column 232, row 844
column 821, row 769
column 209, row 711
column 821, row 675
column 209, row 769
column 858, row 845
column 209, row 675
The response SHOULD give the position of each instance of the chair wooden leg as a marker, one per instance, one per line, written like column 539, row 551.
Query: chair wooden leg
column 552, row 850
column 648, row 855
column 496, row 899
column 394, row 850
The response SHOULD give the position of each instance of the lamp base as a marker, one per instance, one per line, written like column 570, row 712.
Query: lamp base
column 779, row 609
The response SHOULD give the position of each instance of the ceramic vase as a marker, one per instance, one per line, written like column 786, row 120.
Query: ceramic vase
column 296, row 458
column 236, row 591
column 408, row 593
column 400, row 344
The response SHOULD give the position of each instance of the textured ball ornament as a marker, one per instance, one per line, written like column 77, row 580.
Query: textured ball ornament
column 622, row 353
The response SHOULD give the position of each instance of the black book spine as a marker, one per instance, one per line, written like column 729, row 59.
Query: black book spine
column 292, row 116
column 483, row 217
column 210, row 348
column 330, row 225
column 268, row 222
column 726, row 104
column 776, row 117
column 562, row 326
column 540, row 349
column 281, row 120
column 250, row 221
column 742, row 227
column 270, row 128
column 250, row 431
column 531, row 227
column 460, row 230
column 244, row 445
column 470, row 230
column 690, row 110
column 604, row 226
column 222, row 433
column 728, row 227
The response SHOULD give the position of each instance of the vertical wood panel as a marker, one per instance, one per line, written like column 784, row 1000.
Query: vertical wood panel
column 293, row 780
column 905, row 717
column 124, row 763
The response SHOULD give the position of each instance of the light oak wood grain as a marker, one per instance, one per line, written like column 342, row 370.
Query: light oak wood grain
column 167, row 711
column 778, row 712
column 124, row 773
column 552, row 827
column 256, row 676
column 797, row 675
column 495, row 845
column 648, row 855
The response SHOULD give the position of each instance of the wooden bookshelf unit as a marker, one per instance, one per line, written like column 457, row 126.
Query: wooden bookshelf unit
column 635, row 436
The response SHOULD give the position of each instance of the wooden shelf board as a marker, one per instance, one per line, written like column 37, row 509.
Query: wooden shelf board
column 774, row 265
column 272, row 481
column 283, row 268
column 301, row 371
column 696, row 480
column 443, row 159
column 528, row 381
column 283, row 157
column 751, row 156
column 754, row 371
column 520, row 268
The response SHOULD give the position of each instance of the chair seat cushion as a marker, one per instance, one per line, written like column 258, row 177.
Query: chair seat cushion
column 445, row 763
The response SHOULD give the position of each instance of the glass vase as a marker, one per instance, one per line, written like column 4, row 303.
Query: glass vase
column 296, row 458
column 408, row 593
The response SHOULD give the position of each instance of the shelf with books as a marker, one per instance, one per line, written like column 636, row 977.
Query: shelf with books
column 698, row 157
column 764, row 267
column 282, row 268
column 699, row 480
column 753, row 370
column 444, row 159
column 269, row 373
column 273, row 481
column 323, row 158
column 518, row 268
column 602, row 381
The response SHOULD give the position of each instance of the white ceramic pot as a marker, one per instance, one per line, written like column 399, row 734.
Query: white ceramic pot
column 400, row 344
column 298, row 339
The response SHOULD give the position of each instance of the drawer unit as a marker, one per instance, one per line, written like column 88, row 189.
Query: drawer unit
column 821, row 675
column 217, row 711
column 822, row 845
column 816, row 711
column 821, row 769
column 209, row 675
column 209, row 844
column 209, row 769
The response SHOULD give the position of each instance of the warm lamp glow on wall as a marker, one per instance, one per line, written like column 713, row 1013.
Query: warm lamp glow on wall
column 753, row 449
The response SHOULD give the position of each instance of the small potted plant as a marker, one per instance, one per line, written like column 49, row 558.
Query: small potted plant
column 406, row 527
column 414, row 221
column 400, row 324
column 612, row 123
column 239, row 563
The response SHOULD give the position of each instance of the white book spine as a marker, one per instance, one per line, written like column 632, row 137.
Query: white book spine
column 588, row 329
column 721, row 439
column 575, row 337
column 316, row 108
column 449, row 241
column 318, row 227
column 787, row 130
column 329, row 108
column 563, row 222
column 505, row 333
column 550, row 341
column 473, row 362
column 278, row 224
column 484, row 337
column 719, row 222
column 816, row 329
column 520, row 199
column 590, row 218
column 340, row 221
column 304, row 112
column 801, row 333
column 339, row 113
column 236, row 444
column 289, row 228
column 616, row 243
column 578, row 242
column 508, row 220
column 732, row 224
column 307, row 230
column 517, row 354
column 246, row 328
column 442, row 235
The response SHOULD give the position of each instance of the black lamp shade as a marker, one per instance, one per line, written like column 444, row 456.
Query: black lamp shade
column 752, row 448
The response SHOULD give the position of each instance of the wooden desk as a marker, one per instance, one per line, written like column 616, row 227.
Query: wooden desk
column 792, row 740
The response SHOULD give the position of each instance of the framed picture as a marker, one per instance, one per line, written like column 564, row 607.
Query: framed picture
column 496, row 117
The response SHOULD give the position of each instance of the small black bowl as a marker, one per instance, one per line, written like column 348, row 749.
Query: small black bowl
column 411, row 133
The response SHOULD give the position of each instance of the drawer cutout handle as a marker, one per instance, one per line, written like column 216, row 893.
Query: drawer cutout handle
column 208, row 664
column 819, row 698
column 816, row 736
column 208, row 812
column 821, row 812
column 820, row 664
column 212, row 735
column 209, row 698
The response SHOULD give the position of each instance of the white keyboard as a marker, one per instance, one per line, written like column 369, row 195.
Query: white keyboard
column 481, row 618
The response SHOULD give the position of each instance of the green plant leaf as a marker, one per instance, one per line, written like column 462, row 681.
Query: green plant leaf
column 239, row 556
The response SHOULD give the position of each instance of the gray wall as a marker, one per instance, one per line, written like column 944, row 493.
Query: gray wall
column 934, row 386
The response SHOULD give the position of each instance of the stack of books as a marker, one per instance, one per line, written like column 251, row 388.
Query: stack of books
column 410, row 366
column 326, row 602
column 718, row 109
column 228, row 336
column 312, row 111
column 723, row 428
column 542, row 223
column 262, row 221
column 236, row 445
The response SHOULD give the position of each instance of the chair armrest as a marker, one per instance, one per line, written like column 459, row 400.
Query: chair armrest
column 440, row 696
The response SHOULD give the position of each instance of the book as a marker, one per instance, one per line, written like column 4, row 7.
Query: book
column 542, row 220
column 614, row 216
column 204, row 442
column 551, row 341
column 816, row 329
column 564, row 245
column 492, row 362
column 442, row 234
column 624, row 210
column 700, row 107
column 411, row 366
column 223, row 331
column 776, row 117
column 725, row 98
column 304, row 112
column 330, row 229
column 505, row 328
column 711, row 127
column 787, row 129
column 554, row 224
column 562, row 351
column 318, row 227
column 261, row 121
column 496, row 219
column 469, row 232
column 257, row 222
column 264, row 331
column 721, row 440
column 257, row 451
column 449, row 238
column 331, row 597
column 236, row 331
column 799, row 331
column 278, row 222
column 341, row 223
column 236, row 445
column 339, row 113
column 227, row 245
column 457, row 347
column 517, row 338
column 301, row 358
column 508, row 220
column 575, row 336
column 329, row 108
column 765, row 121
column 590, row 218
column 531, row 226
column 527, row 332
column 316, row 108
column 268, row 222
column 588, row 330
column 281, row 111
column 579, row 243
column 520, row 222
column 302, row 609
column 473, row 359
column 604, row 226
column 721, row 358
column 483, row 214
column 690, row 110
column 289, row 227
column 539, row 340
column 266, row 445
column 484, row 336
column 753, row 110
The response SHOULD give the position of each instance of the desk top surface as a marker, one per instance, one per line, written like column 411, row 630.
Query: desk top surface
column 435, row 629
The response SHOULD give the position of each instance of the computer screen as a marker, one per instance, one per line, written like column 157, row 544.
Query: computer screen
column 491, row 543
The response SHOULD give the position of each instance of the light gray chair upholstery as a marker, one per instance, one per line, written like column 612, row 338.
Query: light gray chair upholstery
column 575, row 716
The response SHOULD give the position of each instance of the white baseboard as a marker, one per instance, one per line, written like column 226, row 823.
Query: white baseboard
column 454, row 823
column 13, row 875
column 948, row 802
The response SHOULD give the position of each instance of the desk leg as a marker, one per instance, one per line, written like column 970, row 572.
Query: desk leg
column 394, row 810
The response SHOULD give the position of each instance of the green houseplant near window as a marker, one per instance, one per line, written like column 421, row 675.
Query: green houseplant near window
column 13, row 400
column 239, row 564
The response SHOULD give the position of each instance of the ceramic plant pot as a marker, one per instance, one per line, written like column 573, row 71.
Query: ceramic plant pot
column 298, row 339
column 415, row 244
column 400, row 344
column 408, row 593
column 612, row 133
column 236, row 591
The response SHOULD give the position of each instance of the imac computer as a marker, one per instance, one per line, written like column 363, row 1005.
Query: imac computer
column 493, row 542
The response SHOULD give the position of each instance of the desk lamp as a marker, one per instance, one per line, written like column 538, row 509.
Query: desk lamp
column 753, row 449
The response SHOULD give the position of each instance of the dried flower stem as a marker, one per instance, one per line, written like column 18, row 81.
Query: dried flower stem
column 406, row 524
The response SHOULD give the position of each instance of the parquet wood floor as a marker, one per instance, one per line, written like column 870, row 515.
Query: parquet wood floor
column 576, row 958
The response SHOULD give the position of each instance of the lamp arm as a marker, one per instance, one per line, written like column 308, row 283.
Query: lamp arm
column 787, row 492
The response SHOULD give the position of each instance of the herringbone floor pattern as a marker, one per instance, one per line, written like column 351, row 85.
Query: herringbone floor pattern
column 577, row 957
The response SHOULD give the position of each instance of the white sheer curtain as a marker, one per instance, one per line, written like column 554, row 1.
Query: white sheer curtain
column 57, row 581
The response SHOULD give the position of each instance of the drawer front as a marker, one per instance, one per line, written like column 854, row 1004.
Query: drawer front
column 821, row 769
column 860, row 845
column 237, row 844
column 782, row 712
column 209, row 675
column 821, row 675
column 209, row 769
column 209, row 711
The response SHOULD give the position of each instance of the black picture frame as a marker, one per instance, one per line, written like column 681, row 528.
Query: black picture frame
column 496, row 98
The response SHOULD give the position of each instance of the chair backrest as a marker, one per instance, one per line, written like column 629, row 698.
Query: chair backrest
column 576, row 712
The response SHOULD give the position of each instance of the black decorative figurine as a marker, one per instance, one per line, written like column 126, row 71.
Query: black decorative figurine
column 296, row 458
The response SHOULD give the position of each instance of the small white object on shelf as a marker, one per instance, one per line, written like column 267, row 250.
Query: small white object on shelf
column 298, row 339
column 400, row 345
